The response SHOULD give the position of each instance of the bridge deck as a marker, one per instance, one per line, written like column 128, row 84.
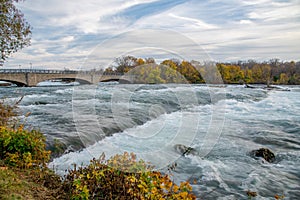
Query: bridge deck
column 31, row 77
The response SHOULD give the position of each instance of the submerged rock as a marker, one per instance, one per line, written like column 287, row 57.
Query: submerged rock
column 185, row 150
column 278, row 88
column 248, row 86
column 264, row 153
column 40, row 103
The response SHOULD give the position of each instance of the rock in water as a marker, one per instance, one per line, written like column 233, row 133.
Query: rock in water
column 184, row 150
column 264, row 153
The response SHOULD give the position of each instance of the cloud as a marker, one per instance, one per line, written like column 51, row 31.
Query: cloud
column 277, row 13
column 193, row 21
column 67, row 32
column 69, row 38
column 91, row 16
column 245, row 21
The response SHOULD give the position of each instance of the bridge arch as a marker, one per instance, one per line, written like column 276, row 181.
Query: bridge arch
column 81, row 81
column 116, row 79
column 18, row 83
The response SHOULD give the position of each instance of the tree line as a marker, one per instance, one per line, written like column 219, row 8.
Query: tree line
column 147, row 70
column 273, row 71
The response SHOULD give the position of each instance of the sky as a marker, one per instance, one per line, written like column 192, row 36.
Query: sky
column 77, row 34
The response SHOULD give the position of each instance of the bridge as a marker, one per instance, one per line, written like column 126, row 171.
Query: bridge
column 31, row 77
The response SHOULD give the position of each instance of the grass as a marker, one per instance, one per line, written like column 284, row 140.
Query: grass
column 29, row 184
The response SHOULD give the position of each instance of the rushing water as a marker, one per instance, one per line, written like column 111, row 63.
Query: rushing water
column 223, row 123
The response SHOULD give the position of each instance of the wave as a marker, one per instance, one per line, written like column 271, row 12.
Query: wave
column 64, row 91
column 153, row 139
column 57, row 83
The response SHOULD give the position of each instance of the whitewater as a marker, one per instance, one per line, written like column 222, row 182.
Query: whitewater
column 222, row 122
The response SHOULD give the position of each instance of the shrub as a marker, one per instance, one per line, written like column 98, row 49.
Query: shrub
column 122, row 177
column 22, row 148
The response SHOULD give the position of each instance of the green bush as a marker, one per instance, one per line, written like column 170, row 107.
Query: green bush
column 22, row 148
column 122, row 177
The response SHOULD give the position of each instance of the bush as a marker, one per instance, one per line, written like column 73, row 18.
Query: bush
column 22, row 148
column 122, row 177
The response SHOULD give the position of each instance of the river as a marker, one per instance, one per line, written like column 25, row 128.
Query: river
column 223, row 123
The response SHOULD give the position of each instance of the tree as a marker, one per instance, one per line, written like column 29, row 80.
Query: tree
column 15, row 31
column 231, row 73
column 190, row 73
column 266, row 73
column 125, row 63
column 257, row 73
column 283, row 79
column 170, row 63
column 150, row 60
column 248, row 75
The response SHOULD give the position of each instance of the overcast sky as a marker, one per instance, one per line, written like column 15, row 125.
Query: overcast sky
column 72, row 33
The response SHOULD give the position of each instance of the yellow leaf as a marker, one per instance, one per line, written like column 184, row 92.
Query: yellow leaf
column 175, row 188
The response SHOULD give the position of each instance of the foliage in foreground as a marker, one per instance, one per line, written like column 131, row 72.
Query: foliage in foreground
column 123, row 177
column 30, row 183
column 19, row 147
column 22, row 148
column 12, row 186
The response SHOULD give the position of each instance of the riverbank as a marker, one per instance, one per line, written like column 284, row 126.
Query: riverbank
column 35, row 184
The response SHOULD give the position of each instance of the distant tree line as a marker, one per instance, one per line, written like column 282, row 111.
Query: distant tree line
column 273, row 71
column 147, row 70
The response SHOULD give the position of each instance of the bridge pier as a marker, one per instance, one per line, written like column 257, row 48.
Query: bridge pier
column 30, row 80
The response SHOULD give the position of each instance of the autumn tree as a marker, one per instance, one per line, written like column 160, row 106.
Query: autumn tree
column 125, row 63
column 231, row 73
column 150, row 60
column 140, row 61
column 170, row 63
column 283, row 78
column 191, row 74
column 154, row 75
column 266, row 73
column 248, row 75
column 257, row 73
column 169, row 71
column 15, row 31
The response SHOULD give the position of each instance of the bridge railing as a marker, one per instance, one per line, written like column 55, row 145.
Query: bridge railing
column 41, row 71
column 45, row 71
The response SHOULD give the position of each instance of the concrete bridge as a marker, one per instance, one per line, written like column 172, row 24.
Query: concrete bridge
column 31, row 77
